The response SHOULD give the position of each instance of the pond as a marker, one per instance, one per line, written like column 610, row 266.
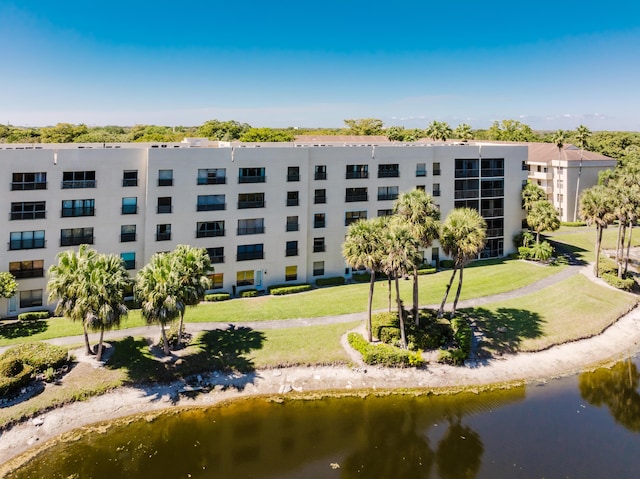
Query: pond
column 587, row 426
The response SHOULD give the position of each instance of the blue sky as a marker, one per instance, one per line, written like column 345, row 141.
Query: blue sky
column 548, row 64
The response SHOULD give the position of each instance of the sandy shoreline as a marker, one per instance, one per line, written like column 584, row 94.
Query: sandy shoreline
column 619, row 341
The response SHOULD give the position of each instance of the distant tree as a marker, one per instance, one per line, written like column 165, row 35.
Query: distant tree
column 582, row 137
column 365, row 126
column 151, row 133
column 596, row 207
column 62, row 133
column 511, row 130
column 559, row 138
column 222, row 130
column 266, row 135
column 8, row 285
column 396, row 133
column 463, row 132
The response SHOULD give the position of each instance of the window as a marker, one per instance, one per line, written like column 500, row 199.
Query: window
column 251, row 175
column 492, row 167
column 318, row 268
column 30, row 210
column 493, row 248
column 211, row 203
column 320, row 172
column 436, row 169
column 250, row 251
column 559, row 184
column 27, row 269
column 292, row 198
column 420, row 187
column 320, row 197
column 492, row 207
column 387, row 193
column 216, row 255
column 293, row 173
column 292, row 223
column 388, row 171
column 291, row 273
column 357, row 171
column 436, row 189
column 466, row 189
column 245, row 278
column 217, row 280
column 421, row 169
column 466, row 168
column 353, row 216
column 473, row 204
column 388, row 212
column 251, row 226
column 130, row 205
column 127, row 233
column 318, row 245
column 29, row 181
column 292, row 248
column 165, row 177
column 319, row 220
column 164, row 204
column 130, row 178
column 26, row 240
column 210, row 229
column 435, row 255
column 250, row 200
column 163, row 232
column 212, row 176
column 74, row 208
column 525, row 167
column 492, row 188
column 356, row 194
column 78, row 179
column 31, row 298
column 495, row 227
column 76, row 236
column 129, row 260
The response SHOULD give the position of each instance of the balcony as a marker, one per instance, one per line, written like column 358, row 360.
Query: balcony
column 28, row 273
column 28, row 185
column 466, row 173
column 163, row 236
column 495, row 232
column 212, row 207
column 291, row 252
column 541, row 175
column 250, row 204
column 387, row 196
column 462, row 194
column 82, row 211
column 28, row 215
column 489, row 192
column 320, row 175
column 127, row 237
column 358, row 197
column 492, row 212
column 293, row 227
column 209, row 233
column 215, row 180
column 492, row 172
column 252, row 179
column 255, row 230
column 72, row 184
column 27, row 244
column 76, row 240
column 250, row 255
column 389, row 174
column 352, row 175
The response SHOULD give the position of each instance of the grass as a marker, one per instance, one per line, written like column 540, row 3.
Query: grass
column 581, row 240
column 551, row 316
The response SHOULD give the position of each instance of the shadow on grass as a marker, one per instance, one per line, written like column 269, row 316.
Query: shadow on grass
column 504, row 329
column 23, row 329
column 575, row 252
column 219, row 350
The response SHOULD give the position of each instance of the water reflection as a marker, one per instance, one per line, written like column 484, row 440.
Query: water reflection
column 617, row 389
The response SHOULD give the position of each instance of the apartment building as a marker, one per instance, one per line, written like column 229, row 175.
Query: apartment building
column 267, row 213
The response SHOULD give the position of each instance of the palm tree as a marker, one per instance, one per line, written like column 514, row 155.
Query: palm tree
column 462, row 237
column 582, row 137
column 105, row 295
column 67, row 285
column 444, row 131
column 596, row 208
column 463, row 132
column 558, row 138
column 543, row 216
column 421, row 214
column 402, row 253
column 363, row 247
column 532, row 193
column 158, row 293
column 191, row 266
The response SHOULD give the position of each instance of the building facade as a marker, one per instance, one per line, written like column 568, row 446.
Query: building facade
column 267, row 213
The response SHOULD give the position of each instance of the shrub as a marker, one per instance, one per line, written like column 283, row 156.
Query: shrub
column 38, row 355
column 446, row 263
column 33, row 315
column 291, row 289
column 334, row 281
column 384, row 354
column 431, row 333
column 173, row 339
column 217, row 297
column 462, row 336
column 427, row 270
column 573, row 223
column 248, row 293
column 361, row 277
column 525, row 238
column 524, row 252
column 10, row 386
column 625, row 284
column 10, row 367
column 541, row 251
column 607, row 265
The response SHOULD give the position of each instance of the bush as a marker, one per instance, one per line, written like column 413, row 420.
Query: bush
column 573, row 223
column 173, row 339
column 462, row 336
column 612, row 279
column 607, row 265
column 217, row 297
column 248, row 293
column 361, row 277
column 33, row 315
column 524, row 252
column 10, row 386
column 427, row 270
column 291, row 289
column 431, row 333
column 524, row 238
column 10, row 367
column 38, row 355
column 541, row 251
column 334, row 281
column 384, row 354
column 446, row 263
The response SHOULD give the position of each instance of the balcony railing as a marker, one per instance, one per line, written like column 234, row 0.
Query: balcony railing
column 249, row 256
column 130, row 182
column 81, row 211
column 387, row 196
column 28, row 185
column 215, row 180
column 388, row 174
column 127, row 237
column 163, row 236
column 69, row 184
column 293, row 201
column 422, row 173
column 320, row 175
column 293, row 177
column 486, row 172
column 250, row 204
column 28, row 273
column 212, row 207
column 252, row 179
column 255, row 230
column 492, row 212
column 165, row 182
column 293, row 227
column 164, row 209
column 291, row 252
column 27, row 244
column 436, row 192
column 357, row 174
column 28, row 215
column 209, row 233
column 217, row 259
column 461, row 194
column 129, row 264
column 319, row 224
column 76, row 240
column 495, row 232
column 319, row 200
column 466, row 173
column 129, row 209
column 354, row 198
column 492, row 192
column 437, row 172
column 319, row 248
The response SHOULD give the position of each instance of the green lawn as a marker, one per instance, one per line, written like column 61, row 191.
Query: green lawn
column 581, row 240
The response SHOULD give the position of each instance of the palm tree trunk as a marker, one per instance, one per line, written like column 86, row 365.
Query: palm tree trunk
column 372, row 282
column 598, row 241
column 165, row 341
column 455, row 301
column 446, row 293
column 619, row 247
column 99, row 354
column 626, row 256
column 389, row 288
column 416, row 313
column 180, row 326
column 403, row 336
column 86, row 341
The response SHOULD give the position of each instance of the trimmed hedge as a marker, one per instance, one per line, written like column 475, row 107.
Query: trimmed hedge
column 429, row 270
column 10, row 386
column 446, row 263
column 462, row 336
column 334, row 281
column 290, row 289
column 612, row 279
column 217, row 297
column 248, row 293
column 573, row 223
column 361, row 277
column 33, row 315
column 384, row 354
column 431, row 333
column 38, row 355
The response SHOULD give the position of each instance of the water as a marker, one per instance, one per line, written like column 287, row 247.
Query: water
column 581, row 427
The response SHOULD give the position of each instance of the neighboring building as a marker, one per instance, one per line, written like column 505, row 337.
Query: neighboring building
column 565, row 174
column 268, row 213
